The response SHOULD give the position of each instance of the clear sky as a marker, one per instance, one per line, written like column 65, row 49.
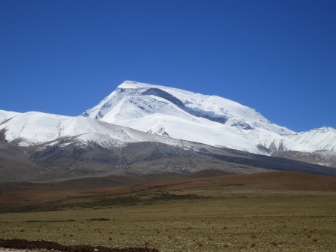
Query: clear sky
column 278, row 57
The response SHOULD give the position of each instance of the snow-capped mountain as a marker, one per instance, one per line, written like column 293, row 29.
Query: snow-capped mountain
column 37, row 146
column 36, row 128
column 142, row 128
column 211, row 120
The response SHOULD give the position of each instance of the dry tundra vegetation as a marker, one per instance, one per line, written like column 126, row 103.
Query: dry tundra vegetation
column 278, row 211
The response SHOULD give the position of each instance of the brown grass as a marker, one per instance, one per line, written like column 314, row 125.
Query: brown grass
column 206, row 183
column 262, row 222
column 207, row 211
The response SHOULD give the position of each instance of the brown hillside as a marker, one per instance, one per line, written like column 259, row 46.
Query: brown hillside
column 210, row 183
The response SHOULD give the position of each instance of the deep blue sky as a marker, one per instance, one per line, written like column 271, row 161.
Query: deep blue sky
column 277, row 56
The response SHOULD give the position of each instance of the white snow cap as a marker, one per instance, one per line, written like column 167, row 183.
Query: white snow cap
column 211, row 120
column 168, row 114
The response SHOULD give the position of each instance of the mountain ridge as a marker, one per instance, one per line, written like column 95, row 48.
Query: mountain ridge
column 176, row 113
column 143, row 129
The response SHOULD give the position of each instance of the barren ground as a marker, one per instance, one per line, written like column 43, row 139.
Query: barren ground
column 208, row 211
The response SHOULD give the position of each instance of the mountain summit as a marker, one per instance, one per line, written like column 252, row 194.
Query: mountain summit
column 210, row 120
column 144, row 129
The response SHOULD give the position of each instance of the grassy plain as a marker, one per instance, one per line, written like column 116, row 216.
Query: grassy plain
column 241, row 216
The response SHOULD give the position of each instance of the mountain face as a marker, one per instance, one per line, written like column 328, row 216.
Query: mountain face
column 141, row 129
column 35, row 128
column 210, row 120
column 39, row 146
